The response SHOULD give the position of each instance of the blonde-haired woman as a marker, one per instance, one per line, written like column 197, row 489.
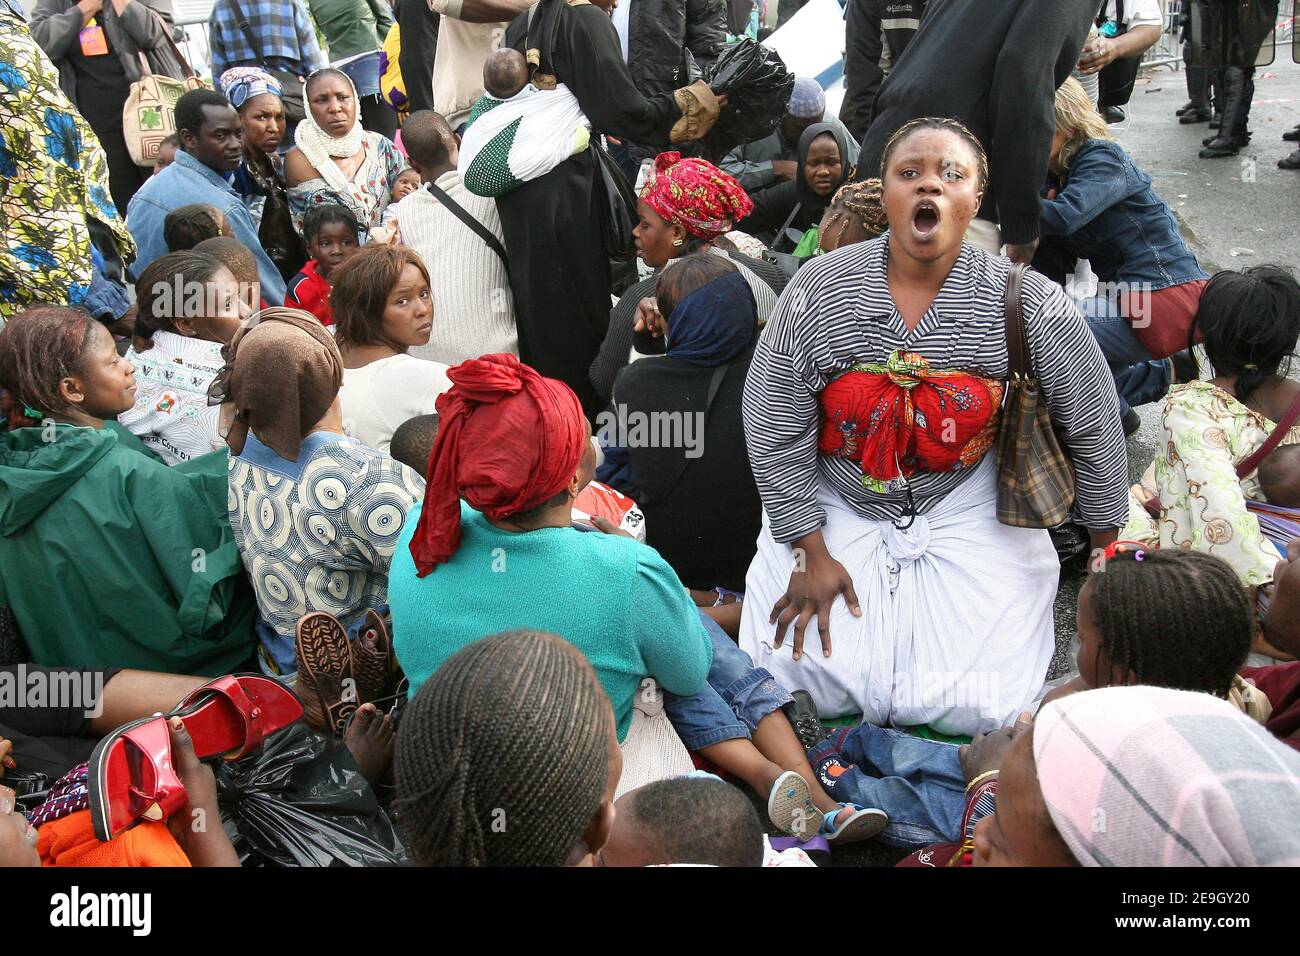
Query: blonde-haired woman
column 1102, row 208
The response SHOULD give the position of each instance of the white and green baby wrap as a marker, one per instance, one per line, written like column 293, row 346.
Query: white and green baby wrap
column 509, row 142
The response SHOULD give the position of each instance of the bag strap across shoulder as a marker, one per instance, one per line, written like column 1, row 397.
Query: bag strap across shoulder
column 1274, row 439
column 246, row 30
column 176, row 51
column 459, row 211
column 1019, row 365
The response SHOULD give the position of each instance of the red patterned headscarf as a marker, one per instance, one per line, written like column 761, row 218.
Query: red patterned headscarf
column 696, row 195
column 508, row 440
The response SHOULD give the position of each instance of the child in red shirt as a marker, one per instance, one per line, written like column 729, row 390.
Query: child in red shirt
column 331, row 235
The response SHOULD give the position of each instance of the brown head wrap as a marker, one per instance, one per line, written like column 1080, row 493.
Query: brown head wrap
column 282, row 374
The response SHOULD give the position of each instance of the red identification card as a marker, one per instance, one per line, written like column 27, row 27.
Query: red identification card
column 93, row 41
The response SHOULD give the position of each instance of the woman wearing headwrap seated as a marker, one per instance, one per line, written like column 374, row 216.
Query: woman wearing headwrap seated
column 100, row 545
column 783, row 213
column 492, row 549
column 685, row 207
column 702, row 509
column 335, row 160
column 256, row 96
column 1143, row 776
column 316, row 514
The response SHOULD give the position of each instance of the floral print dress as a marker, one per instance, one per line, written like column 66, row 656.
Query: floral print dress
column 1207, row 432
column 53, row 175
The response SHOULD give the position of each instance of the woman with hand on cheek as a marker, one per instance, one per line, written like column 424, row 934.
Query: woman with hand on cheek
column 382, row 307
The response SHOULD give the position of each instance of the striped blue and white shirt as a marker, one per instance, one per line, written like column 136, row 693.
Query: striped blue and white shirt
column 838, row 311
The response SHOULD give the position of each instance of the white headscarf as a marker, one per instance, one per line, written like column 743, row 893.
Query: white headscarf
column 321, row 148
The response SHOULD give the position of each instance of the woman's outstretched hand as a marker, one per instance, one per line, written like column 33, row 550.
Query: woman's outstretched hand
column 817, row 580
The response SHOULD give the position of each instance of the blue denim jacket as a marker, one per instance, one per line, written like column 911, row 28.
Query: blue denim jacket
column 1110, row 215
column 187, row 181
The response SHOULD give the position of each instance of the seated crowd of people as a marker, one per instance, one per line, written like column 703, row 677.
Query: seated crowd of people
column 385, row 440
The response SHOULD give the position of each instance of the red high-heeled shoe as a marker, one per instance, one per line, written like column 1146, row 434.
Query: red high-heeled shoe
column 131, row 771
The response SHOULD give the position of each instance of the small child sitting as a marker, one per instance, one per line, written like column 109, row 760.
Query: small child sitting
column 517, row 132
column 331, row 235
column 187, row 226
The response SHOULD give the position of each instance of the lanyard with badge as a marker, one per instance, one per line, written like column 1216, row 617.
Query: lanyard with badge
column 93, row 40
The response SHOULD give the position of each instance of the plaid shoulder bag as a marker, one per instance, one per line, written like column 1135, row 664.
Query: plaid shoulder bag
column 1035, row 476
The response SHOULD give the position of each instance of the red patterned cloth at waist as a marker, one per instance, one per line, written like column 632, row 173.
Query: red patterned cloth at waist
column 902, row 416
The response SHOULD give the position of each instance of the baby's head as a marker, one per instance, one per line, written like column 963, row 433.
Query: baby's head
column 505, row 73
column 407, row 182
column 695, row 819
column 1279, row 476
column 412, row 442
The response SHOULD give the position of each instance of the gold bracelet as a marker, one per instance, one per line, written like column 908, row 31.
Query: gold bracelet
column 984, row 776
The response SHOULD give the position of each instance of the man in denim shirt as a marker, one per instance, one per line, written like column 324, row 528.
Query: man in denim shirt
column 211, row 147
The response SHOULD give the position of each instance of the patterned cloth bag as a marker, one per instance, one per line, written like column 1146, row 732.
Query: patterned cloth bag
column 149, row 115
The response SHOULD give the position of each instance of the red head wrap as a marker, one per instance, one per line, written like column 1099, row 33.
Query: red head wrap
column 696, row 195
column 508, row 440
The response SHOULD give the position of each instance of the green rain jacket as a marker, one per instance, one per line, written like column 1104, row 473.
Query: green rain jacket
column 108, row 558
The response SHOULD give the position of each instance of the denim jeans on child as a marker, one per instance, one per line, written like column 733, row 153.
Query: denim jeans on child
column 918, row 783
column 1138, row 379
column 737, row 697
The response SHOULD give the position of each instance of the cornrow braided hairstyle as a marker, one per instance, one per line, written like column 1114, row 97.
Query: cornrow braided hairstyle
column 39, row 348
column 861, row 203
column 502, row 758
column 1176, row 618
column 942, row 123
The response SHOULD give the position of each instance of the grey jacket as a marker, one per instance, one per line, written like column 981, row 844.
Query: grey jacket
column 142, row 28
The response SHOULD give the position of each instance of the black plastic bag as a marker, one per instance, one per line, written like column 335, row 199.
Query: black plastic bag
column 758, row 85
column 617, row 204
column 301, row 801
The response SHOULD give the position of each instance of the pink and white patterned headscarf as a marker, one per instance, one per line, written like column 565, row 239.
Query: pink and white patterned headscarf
column 1146, row 776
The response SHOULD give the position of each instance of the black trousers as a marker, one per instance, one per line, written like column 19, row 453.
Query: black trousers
column 124, row 176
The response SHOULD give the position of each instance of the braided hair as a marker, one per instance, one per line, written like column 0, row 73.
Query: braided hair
column 39, row 348
column 940, row 123
column 1250, row 321
column 860, row 204
column 502, row 758
column 1175, row 618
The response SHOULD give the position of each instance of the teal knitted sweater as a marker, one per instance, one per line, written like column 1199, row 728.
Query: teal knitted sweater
column 613, row 598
